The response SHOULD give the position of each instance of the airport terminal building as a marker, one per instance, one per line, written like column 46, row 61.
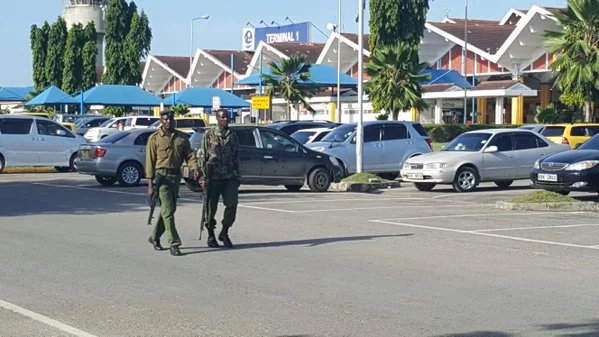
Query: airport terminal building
column 506, row 69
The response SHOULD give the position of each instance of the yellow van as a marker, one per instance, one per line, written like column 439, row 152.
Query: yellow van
column 572, row 134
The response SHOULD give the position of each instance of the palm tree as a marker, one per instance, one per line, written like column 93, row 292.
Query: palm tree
column 577, row 47
column 395, row 77
column 288, row 81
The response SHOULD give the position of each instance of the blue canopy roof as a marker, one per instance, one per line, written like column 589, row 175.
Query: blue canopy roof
column 442, row 76
column 322, row 75
column 12, row 94
column 202, row 97
column 118, row 95
column 51, row 96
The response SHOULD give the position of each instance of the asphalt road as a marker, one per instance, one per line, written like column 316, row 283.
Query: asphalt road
column 75, row 261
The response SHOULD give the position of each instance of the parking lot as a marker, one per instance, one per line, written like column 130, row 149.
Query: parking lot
column 396, row 262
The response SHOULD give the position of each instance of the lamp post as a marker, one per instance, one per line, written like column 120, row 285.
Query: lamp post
column 204, row 17
column 360, row 128
column 335, row 28
column 465, row 61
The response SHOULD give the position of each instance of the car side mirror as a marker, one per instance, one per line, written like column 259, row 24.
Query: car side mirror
column 353, row 140
column 491, row 149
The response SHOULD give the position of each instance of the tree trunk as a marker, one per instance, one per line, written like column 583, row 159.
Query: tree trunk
column 587, row 111
column 289, row 111
column 395, row 115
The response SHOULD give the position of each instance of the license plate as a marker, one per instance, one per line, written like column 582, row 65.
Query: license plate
column 85, row 154
column 547, row 177
column 414, row 176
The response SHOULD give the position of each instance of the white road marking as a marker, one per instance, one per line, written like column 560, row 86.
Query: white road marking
column 91, row 188
column 485, row 234
column 317, row 200
column 537, row 227
column 478, row 215
column 268, row 209
column 46, row 320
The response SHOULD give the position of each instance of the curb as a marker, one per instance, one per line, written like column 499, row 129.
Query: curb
column 365, row 187
column 588, row 206
column 15, row 170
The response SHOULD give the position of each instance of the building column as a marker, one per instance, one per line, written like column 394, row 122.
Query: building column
column 482, row 108
column 499, row 110
column 438, row 114
column 545, row 94
column 332, row 110
column 518, row 105
column 415, row 115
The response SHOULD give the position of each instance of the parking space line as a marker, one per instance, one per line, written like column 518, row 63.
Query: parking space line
column 268, row 209
column 515, row 238
column 475, row 215
column 536, row 227
column 317, row 200
column 46, row 320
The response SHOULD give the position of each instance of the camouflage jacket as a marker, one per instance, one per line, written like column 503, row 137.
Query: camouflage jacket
column 220, row 151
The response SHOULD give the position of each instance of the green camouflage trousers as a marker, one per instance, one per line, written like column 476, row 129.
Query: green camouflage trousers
column 168, row 191
column 229, row 189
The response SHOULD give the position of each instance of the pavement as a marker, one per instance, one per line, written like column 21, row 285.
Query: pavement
column 75, row 261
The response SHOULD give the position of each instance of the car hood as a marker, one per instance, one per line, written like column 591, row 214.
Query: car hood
column 442, row 156
column 324, row 145
column 572, row 156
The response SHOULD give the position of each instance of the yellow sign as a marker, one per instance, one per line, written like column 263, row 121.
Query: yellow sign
column 261, row 102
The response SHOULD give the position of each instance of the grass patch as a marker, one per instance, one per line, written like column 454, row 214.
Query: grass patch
column 44, row 169
column 438, row 146
column 363, row 178
column 542, row 197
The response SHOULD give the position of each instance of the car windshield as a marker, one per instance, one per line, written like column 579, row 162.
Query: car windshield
column 303, row 137
column 339, row 134
column 115, row 137
column 553, row 131
column 591, row 144
column 82, row 121
column 470, row 142
column 108, row 122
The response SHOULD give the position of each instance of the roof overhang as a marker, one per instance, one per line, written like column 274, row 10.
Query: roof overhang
column 157, row 74
column 268, row 54
column 206, row 69
column 347, row 47
column 456, row 92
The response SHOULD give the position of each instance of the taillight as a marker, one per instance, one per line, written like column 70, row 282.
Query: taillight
column 99, row 152
column 565, row 141
column 430, row 143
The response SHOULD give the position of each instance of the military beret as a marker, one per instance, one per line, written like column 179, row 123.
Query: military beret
column 166, row 112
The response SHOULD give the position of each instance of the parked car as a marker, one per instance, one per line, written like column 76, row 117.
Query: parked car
column 498, row 155
column 538, row 128
column 37, row 141
column 86, row 123
column 271, row 157
column 289, row 127
column 572, row 170
column 387, row 145
column 140, row 122
column 105, row 129
column 307, row 136
column 119, row 157
column 184, row 124
column 572, row 134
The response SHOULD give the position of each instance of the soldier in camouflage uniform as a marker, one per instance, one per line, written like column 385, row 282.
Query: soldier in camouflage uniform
column 165, row 152
column 218, row 155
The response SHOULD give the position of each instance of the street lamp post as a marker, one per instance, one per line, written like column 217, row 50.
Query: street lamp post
column 204, row 17
column 465, row 61
column 338, row 116
column 360, row 128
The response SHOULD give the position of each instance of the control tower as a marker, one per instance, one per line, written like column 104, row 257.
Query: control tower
column 84, row 11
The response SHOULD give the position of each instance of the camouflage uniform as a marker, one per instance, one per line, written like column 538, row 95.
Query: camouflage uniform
column 220, row 150
column 164, row 157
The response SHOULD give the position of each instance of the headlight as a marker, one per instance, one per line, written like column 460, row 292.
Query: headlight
column 582, row 165
column 406, row 165
column 536, row 165
column 435, row 166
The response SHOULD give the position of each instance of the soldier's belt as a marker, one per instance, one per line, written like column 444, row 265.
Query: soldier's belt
column 169, row 171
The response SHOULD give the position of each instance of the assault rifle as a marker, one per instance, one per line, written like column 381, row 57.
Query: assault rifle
column 205, row 204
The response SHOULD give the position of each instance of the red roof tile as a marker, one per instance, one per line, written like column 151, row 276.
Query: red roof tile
column 241, row 59
column 179, row 64
column 310, row 50
column 484, row 35
column 495, row 85
column 436, row 87
column 354, row 38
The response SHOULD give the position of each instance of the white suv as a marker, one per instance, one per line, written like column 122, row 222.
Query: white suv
column 37, row 141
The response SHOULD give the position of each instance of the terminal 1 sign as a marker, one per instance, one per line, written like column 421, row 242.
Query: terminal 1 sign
column 293, row 33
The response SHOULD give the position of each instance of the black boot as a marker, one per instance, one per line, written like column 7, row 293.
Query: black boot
column 175, row 251
column 224, row 237
column 212, row 243
column 156, row 243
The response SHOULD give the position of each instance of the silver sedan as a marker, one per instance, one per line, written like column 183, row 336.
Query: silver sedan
column 119, row 157
column 498, row 155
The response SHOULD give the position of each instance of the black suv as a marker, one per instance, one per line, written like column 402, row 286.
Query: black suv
column 271, row 157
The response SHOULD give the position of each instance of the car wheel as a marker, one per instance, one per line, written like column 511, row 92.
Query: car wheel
column 2, row 163
column 293, row 188
column 129, row 174
column 466, row 179
column 424, row 186
column 319, row 180
column 192, row 185
column 504, row 183
column 106, row 181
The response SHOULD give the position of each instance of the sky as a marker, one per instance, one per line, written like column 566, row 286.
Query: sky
column 171, row 23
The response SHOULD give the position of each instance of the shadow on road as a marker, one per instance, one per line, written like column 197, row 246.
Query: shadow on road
column 275, row 244
column 585, row 329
